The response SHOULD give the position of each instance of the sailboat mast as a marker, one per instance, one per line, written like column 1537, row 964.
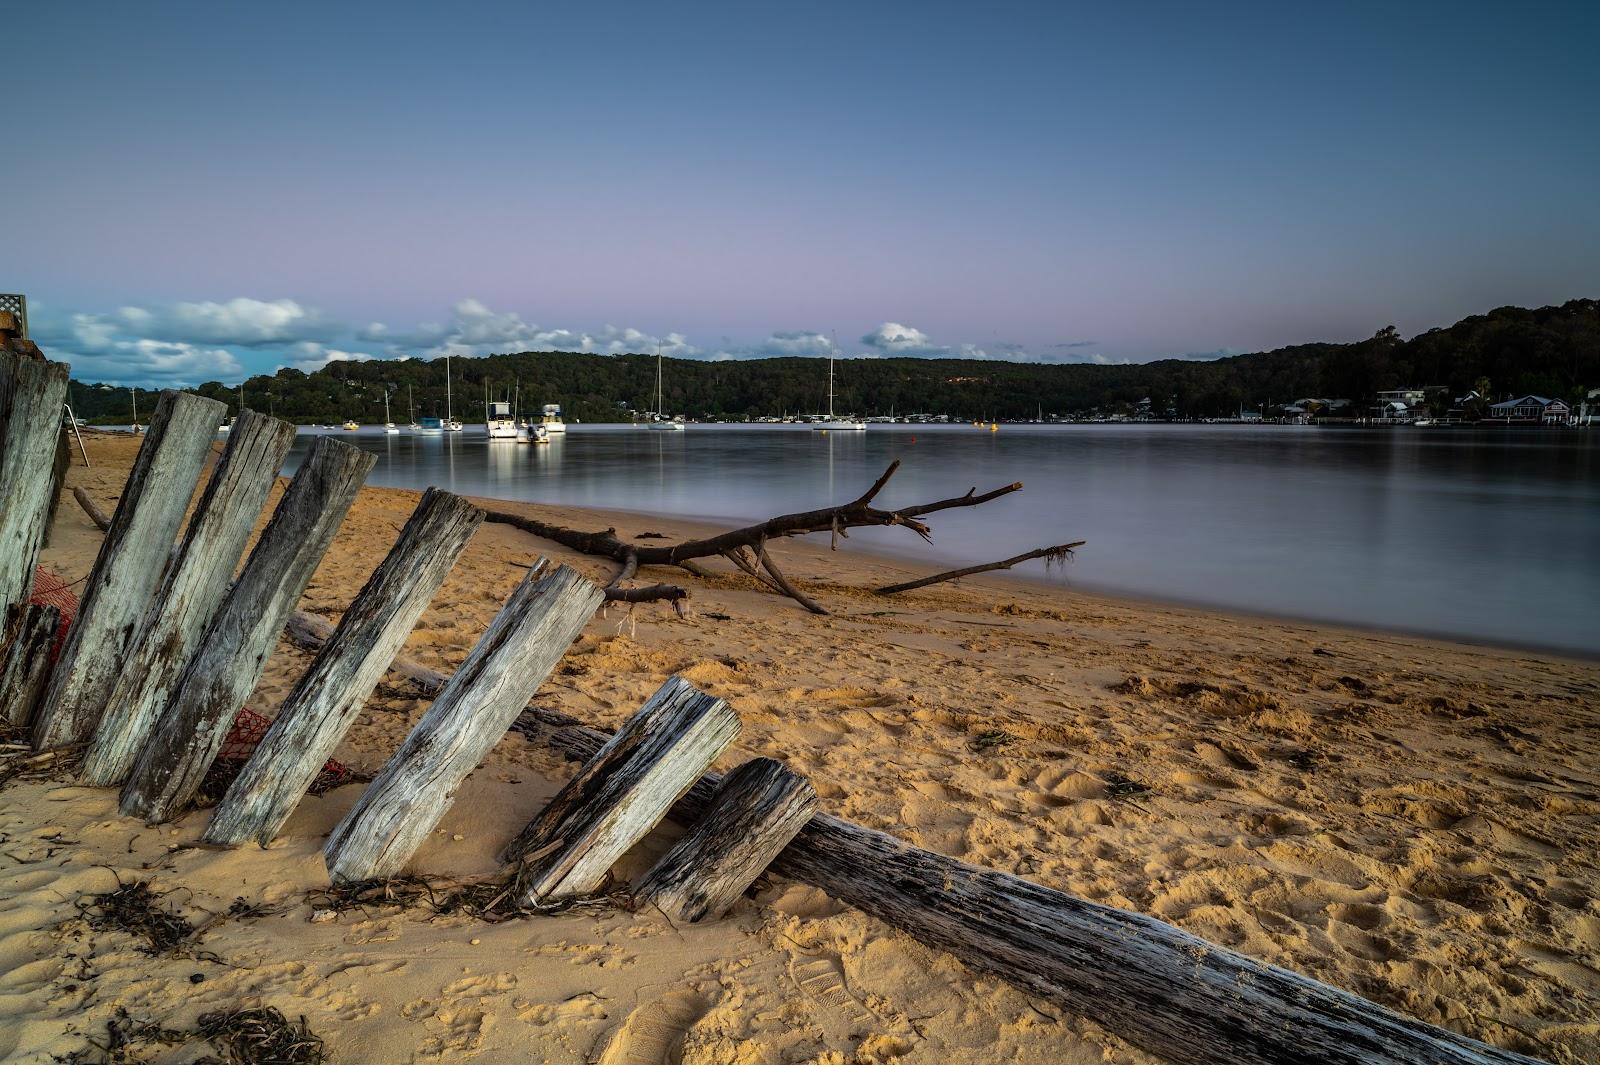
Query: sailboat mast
column 448, row 417
column 134, row 395
column 830, row 377
column 658, row 382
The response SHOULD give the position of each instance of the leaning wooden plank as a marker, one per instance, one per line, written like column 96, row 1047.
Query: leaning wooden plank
column 189, row 595
column 622, row 792
column 415, row 787
column 1190, row 1008
column 757, row 810
column 31, row 397
column 25, row 659
column 129, row 567
column 325, row 701
column 240, row 637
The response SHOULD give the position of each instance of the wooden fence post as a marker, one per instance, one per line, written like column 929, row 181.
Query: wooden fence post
column 325, row 701
column 415, row 787
column 622, row 792
column 759, row 808
column 194, row 585
column 241, row 636
column 25, row 658
column 129, row 566
column 31, row 398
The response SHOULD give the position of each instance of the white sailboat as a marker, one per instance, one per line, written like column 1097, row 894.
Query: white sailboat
column 135, row 427
column 388, row 423
column 411, row 404
column 450, row 423
column 832, row 421
column 550, row 419
column 661, row 423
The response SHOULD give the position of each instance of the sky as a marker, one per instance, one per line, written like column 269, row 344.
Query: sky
column 197, row 192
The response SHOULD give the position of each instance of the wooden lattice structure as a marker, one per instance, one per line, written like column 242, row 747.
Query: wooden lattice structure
column 17, row 304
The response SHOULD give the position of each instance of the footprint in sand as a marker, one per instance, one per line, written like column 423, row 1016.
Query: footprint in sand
column 653, row 1033
column 822, row 979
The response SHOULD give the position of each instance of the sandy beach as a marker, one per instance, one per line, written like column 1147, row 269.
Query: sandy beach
column 1412, row 820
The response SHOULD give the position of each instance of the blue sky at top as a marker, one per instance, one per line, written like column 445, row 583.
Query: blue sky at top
column 199, row 191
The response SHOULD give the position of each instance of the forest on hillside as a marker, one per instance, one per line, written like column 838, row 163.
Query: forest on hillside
column 1550, row 351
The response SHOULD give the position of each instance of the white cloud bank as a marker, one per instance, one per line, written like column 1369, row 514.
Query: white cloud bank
column 186, row 343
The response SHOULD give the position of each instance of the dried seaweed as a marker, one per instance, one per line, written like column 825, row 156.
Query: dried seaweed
column 134, row 909
column 125, row 1039
column 1121, row 787
column 261, row 1036
column 988, row 741
column 491, row 900
column 252, row 1036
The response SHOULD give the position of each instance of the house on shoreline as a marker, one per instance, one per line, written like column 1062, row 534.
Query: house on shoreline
column 1529, row 409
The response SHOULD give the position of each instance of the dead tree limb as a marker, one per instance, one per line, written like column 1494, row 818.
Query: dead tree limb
column 630, row 566
column 784, row 583
column 836, row 520
column 1054, row 554
column 96, row 515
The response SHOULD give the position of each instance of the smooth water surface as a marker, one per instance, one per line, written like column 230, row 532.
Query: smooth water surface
column 1491, row 536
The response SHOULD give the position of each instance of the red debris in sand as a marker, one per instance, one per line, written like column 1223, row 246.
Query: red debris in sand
column 50, row 590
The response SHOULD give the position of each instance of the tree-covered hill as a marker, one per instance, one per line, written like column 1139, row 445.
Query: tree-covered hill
column 1552, row 351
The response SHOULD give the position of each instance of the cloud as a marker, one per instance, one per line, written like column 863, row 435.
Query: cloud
column 159, row 362
column 241, row 322
column 310, row 356
column 475, row 329
column 1076, row 344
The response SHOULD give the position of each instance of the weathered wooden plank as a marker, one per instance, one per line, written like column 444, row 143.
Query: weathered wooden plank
column 756, row 811
column 241, row 635
column 32, row 393
column 327, row 698
column 128, row 569
column 189, row 595
column 25, row 659
column 416, row 786
column 1199, row 1004
column 622, row 792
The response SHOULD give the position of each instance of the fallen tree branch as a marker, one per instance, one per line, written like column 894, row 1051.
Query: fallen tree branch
column 96, row 515
column 1055, row 554
column 630, row 566
column 837, row 521
column 784, row 583
column 1160, row 988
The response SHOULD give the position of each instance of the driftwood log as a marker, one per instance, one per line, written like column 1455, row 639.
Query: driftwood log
column 240, row 638
column 25, row 659
column 622, row 792
column 129, row 567
column 1156, row 986
column 92, row 509
column 756, row 811
column 325, row 701
column 32, row 393
column 738, row 545
column 416, row 786
column 189, row 595
column 1058, row 553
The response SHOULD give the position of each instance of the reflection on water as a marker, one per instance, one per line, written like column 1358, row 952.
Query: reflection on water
column 1482, row 535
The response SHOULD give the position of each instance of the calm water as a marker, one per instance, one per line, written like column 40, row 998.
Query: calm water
column 1489, row 536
